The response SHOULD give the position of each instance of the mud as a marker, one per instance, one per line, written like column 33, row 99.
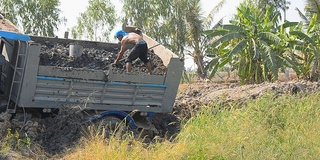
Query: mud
column 96, row 59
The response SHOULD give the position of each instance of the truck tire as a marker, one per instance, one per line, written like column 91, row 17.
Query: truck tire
column 111, row 126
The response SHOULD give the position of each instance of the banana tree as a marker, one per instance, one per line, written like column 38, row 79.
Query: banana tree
column 251, row 44
column 307, row 43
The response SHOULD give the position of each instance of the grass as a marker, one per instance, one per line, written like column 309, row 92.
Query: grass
column 269, row 128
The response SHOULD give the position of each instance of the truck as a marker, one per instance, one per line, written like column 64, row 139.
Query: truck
column 25, row 84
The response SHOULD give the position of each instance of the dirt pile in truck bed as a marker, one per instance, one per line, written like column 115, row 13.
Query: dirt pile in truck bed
column 95, row 59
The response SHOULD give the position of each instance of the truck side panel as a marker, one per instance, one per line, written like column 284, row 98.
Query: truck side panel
column 54, row 87
column 174, row 65
column 91, row 94
column 175, row 68
column 28, row 87
column 79, row 73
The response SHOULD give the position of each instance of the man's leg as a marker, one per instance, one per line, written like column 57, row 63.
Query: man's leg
column 128, row 67
column 148, row 66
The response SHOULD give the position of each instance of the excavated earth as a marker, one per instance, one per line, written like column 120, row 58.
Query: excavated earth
column 95, row 59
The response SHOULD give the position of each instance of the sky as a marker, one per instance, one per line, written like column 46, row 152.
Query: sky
column 71, row 9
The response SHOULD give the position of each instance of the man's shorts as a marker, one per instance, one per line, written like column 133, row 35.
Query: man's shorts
column 140, row 50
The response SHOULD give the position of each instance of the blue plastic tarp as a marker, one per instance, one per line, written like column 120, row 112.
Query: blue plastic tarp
column 14, row 36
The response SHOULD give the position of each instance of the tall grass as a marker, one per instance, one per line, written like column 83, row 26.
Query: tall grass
column 269, row 128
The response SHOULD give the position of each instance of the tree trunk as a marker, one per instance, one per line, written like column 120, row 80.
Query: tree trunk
column 198, row 59
column 314, row 76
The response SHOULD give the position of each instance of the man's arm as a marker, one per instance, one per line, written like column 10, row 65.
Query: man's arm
column 122, row 49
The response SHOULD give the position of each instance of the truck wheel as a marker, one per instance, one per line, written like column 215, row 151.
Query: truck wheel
column 112, row 126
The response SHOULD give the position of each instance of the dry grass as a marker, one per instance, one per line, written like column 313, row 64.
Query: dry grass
column 270, row 128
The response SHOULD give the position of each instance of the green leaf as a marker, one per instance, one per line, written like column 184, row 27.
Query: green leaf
column 224, row 62
column 303, row 49
column 291, row 64
column 232, row 28
column 212, row 33
column 256, row 50
column 270, row 36
column 214, row 71
column 312, row 23
column 303, row 37
column 288, row 24
column 240, row 46
column 227, row 37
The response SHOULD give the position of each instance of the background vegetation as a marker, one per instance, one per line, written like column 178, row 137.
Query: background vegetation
column 254, row 44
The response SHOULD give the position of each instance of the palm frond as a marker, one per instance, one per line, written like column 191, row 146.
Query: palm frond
column 232, row 28
column 214, row 33
column 270, row 58
column 303, row 49
column 288, row 25
column 226, row 38
column 312, row 23
column 303, row 36
column 208, row 21
column 291, row 64
column 238, row 48
column 214, row 63
column 302, row 16
column 270, row 37
column 256, row 49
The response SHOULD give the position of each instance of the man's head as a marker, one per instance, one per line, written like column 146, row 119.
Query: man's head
column 120, row 34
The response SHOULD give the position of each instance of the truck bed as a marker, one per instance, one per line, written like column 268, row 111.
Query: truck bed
column 28, row 84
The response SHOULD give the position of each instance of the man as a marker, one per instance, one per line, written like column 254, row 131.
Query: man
column 139, row 50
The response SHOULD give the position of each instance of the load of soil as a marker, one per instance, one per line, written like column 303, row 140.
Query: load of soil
column 96, row 59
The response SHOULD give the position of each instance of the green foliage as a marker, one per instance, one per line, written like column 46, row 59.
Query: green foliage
column 251, row 44
column 96, row 22
column 277, row 128
column 188, row 77
column 306, row 42
column 11, row 9
column 286, row 127
column 15, row 142
column 35, row 17
column 312, row 7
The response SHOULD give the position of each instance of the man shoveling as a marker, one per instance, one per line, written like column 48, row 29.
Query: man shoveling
column 139, row 50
